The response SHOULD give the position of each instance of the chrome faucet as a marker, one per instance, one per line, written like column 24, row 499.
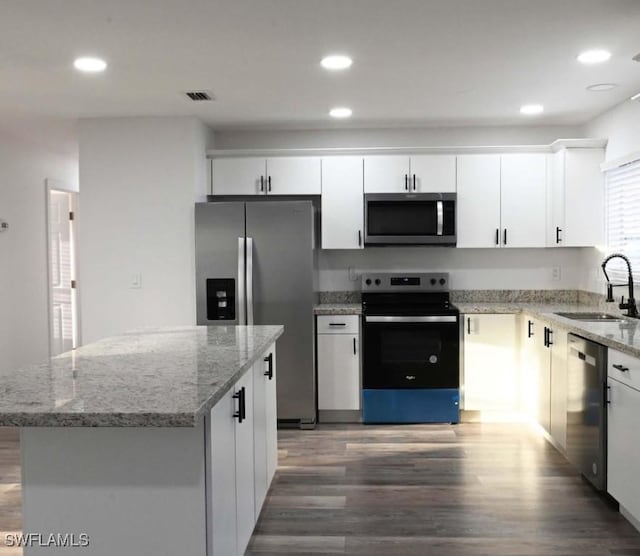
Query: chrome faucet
column 630, row 305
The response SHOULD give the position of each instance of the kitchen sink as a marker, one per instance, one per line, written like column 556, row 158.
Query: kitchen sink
column 591, row 317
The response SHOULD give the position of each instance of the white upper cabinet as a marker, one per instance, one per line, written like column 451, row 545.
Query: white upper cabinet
column 427, row 173
column 576, row 199
column 433, row 173
column 386, row 174
column 523, row 200
column 294, row 176
column 274, row 176
column 478, row 205
column 342, row 203
column 238, row 176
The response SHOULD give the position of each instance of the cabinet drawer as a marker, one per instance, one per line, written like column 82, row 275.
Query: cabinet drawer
column 624, row 368
column 338, row 324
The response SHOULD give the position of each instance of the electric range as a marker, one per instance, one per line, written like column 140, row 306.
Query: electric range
column 411, row 349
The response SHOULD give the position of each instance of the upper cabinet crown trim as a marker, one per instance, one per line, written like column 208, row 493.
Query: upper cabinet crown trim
column 501, row 149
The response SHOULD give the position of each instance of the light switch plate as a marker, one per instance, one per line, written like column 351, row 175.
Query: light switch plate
column 556, row 273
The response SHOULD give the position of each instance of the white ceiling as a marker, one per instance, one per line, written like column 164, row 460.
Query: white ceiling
column 416, row 62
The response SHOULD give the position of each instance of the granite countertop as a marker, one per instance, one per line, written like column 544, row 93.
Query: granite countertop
column 338, row 309
column 622, row 335
column 165, row 377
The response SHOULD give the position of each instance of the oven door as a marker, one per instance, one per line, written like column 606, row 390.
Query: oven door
column 413, row 219
column 402, row 352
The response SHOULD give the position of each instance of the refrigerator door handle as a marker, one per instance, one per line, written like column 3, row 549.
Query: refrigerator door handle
column 241, row 283
column 250, row 280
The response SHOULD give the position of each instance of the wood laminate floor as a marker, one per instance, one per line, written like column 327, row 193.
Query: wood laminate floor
column 464, row 490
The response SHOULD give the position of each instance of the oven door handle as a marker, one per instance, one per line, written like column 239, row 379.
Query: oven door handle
column 430, row 318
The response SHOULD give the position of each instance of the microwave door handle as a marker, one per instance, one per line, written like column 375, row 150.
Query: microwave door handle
column 440, row 216
column 241, row 282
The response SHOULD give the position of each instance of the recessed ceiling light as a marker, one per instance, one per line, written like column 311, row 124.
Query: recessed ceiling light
column 340, row 112
column 593, row 56
column 636, row 96
column 601, row 87
column 336, row 62
column 531, row 109
column 90, row 65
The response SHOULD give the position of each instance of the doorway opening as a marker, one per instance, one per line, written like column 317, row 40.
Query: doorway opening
column 62, row 211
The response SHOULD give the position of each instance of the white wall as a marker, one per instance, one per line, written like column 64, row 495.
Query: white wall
column 398, row 137
column 28, row 156
column 621, row 126
column 140, row 178
column 469, row 268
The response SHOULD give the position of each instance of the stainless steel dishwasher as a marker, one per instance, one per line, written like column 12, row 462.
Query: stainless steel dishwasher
column 586, row 413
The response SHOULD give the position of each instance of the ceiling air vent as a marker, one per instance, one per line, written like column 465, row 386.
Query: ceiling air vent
column 199, row 95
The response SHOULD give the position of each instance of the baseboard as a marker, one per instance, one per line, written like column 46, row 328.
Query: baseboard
column 339, row 416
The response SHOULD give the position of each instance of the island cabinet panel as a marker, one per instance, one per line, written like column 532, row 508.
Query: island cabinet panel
column 271, row 418
column 245, row 490
column 265, row 432
column 231, row 469
column 131, row 490
column 222, row 477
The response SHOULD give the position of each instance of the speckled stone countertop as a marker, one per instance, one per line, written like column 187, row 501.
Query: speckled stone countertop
column 338, row 309
column 623, row 335
column 165, row 377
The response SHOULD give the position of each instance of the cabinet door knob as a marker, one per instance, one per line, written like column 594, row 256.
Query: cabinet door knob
column 354, row 346
column 468, row 325
column 406, row 182
column 558, row 230
column 621, row 368
column 414, row 182
column 504, row 241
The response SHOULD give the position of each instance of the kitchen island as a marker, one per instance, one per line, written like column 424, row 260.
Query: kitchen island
column 157, row 442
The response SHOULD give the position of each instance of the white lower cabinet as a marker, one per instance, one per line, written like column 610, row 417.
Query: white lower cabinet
column 242, row 456
column 559, row 387
column 490, row 380
column 623, row 449
column 338, row 363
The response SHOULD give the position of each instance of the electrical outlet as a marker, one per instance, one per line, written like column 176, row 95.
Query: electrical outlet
column 136, row 281
column 556, row 273
column 353, row 275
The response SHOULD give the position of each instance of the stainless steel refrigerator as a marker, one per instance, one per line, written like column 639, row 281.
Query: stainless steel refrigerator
column 255, row 265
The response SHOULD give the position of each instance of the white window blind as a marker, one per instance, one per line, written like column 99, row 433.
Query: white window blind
column 623, row 218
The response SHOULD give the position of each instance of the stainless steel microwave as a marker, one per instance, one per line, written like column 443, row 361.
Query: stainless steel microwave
column 410, row 219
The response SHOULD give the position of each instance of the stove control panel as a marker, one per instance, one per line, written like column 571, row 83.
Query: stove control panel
column 405, row 282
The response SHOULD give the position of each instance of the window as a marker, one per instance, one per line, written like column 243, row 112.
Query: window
column 622, row 217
